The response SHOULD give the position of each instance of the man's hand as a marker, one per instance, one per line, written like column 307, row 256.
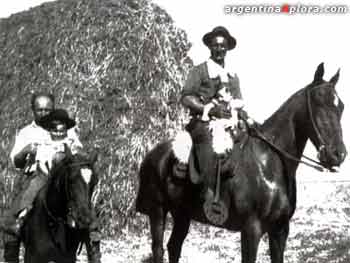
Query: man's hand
column 25, row 155
column 29, row 149
column 220, row 112
column 243, row 115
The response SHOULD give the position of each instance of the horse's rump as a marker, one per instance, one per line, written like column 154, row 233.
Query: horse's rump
column 152, row 176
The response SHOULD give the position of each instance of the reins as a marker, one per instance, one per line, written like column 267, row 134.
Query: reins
column 317, row 165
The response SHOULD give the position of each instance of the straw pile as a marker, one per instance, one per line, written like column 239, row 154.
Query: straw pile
column 117, row 66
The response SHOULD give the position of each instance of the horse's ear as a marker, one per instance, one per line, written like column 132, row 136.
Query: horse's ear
column 319, row 73
column 67, row 152
column 93, row 157
column 335, row 78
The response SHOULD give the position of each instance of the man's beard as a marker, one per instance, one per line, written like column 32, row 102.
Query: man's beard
column 219, row 56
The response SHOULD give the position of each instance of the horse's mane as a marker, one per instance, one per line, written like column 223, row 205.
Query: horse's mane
column 283, row 110
column 58, row 167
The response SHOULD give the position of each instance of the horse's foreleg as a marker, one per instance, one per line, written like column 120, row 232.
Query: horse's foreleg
column 250, row 238
column 277, row 242
column 178, row 235
column 157, row 222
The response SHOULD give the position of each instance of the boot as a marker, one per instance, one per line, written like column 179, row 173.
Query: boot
column 11, row 251
column 14, row 227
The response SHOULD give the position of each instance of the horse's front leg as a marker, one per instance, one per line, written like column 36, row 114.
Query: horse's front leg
column 178, row 235
column 157, row 222
column 277, row 241
column 250, row 238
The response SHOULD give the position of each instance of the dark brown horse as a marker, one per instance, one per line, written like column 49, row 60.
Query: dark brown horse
column 61, row 214
column 262, row 191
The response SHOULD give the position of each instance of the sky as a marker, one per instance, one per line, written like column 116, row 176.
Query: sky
column 276, row 54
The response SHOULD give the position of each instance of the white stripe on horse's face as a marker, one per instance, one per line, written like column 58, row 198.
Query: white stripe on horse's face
column 86, row 173
column 336, row 100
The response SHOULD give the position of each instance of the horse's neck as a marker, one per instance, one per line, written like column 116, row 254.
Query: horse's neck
column 286, row 127
column 55, row 199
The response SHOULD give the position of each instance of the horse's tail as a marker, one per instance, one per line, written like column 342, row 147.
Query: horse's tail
column 153, row 170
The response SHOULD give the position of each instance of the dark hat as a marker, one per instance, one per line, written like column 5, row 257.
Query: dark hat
column 57, row 115
column 219, row 31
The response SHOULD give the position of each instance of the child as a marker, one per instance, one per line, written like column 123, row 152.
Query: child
column 222, row 140
column 57, row 123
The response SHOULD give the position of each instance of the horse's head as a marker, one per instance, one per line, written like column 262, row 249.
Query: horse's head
column 76, row 178
column 325, row 111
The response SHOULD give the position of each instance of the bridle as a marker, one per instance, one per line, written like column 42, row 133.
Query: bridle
column 317, row 165
column 321, row 141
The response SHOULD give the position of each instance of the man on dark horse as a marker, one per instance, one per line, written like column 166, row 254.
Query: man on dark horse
column 25, row 157
column 201, row 95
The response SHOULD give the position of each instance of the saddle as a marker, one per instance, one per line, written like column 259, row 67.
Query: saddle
column 228, row 161
column 215, row 204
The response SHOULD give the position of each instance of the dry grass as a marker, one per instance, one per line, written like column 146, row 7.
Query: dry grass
column 117, row 66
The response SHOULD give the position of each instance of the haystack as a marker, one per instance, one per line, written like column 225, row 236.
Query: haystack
column 117, row 66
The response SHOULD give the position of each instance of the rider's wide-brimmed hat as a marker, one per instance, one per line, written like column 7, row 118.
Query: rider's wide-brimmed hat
column 57, row 115
column 219, row 31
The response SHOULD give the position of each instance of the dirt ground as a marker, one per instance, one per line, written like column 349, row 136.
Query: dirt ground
column 319, row 233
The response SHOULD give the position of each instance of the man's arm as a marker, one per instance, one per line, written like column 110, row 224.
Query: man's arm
column 22, row 150
column 193, row 103
column 26, row 155
column 191, row 96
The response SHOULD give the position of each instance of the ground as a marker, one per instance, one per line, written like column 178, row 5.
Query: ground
column 320, row 233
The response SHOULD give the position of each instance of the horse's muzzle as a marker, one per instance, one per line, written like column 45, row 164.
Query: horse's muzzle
column 332, row 156
column 81, row 219
column 85, row 220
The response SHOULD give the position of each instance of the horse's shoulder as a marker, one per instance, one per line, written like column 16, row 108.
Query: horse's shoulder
column 260, row 152
column 256, row 147
column 41, row 196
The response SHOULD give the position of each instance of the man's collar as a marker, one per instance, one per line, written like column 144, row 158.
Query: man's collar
column 215, row 70
column 35, row 125
column 211, row 61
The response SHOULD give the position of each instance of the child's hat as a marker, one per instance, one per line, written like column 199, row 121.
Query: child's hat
column 48, row 122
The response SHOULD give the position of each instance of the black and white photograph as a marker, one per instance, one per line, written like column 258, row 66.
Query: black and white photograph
column 158, row 131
